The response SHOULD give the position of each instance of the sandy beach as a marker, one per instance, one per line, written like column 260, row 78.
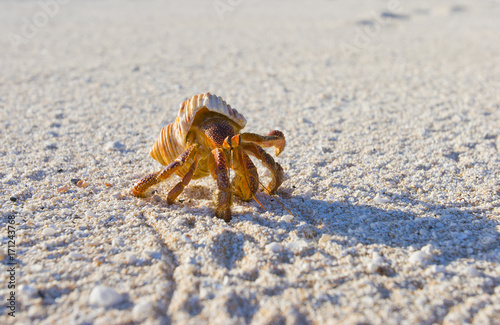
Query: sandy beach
column 390, row 208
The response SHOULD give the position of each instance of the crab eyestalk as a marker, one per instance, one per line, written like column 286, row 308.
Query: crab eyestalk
column 231, row 143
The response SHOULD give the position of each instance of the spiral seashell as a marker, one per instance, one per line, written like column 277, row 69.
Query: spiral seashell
column 167, row 147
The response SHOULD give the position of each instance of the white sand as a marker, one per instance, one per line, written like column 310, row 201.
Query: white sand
column 392, row 163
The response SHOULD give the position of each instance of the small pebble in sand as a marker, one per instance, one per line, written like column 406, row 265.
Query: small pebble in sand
column 179, row 221
column 90, row 214
column 324, row 238
column 185, row 239
column 377, row 259
column 274, row 247
column 471, row 271
column 381, row 199
column 143, row 310
column 49, row 232
column 419, row 258
column 28, row 291
column 375, row 263
column 108, row 184
column 296, row 245
column 131, row 259
column 114, row 146
column 98, row 260
column 119, row 195
column 487, row 240
column 371, row 267
column 104, row 296
column 117, row 241
column 76, row 256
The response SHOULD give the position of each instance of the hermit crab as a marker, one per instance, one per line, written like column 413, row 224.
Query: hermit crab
column 204, row 140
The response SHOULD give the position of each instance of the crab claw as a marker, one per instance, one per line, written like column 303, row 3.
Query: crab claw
column 227, row 143
column 279, row 143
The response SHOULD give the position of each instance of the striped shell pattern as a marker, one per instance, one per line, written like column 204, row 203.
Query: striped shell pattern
column 172, row 140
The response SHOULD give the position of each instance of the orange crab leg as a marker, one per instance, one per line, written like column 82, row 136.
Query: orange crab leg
column 246, row 179
column 273, row 139
column 277, row 173
column 154, row 178
column 220, row 172
column 179, row 187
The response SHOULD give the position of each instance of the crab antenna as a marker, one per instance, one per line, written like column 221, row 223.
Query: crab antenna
column 284, row 206
column 276, row 199
column 258, row 202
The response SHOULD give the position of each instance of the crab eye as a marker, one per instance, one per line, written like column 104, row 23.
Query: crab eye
column 237, row 139
column 227, row 143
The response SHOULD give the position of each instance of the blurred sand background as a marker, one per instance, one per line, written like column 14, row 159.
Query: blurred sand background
column 391, row 115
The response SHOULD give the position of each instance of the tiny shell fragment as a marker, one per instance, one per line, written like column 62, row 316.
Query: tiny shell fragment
column 82, row 183
column 324, row 238
column 296, row 245
column 115, row 146
column 98, row 260
column 105, row 296
column 108, row 184
column 419, row 257
column 49, row 232
column 274, row 247
column 62, row 189
column 76, row 256
column 381, row 199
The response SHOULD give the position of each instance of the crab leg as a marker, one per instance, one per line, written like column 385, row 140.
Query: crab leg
column 246, row 179
column 154, row 178
column 179, row 187
column 273, row 139
column 220, row 172
column 267, row 160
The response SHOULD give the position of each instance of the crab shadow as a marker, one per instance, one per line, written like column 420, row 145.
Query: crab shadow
column 455, row 232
